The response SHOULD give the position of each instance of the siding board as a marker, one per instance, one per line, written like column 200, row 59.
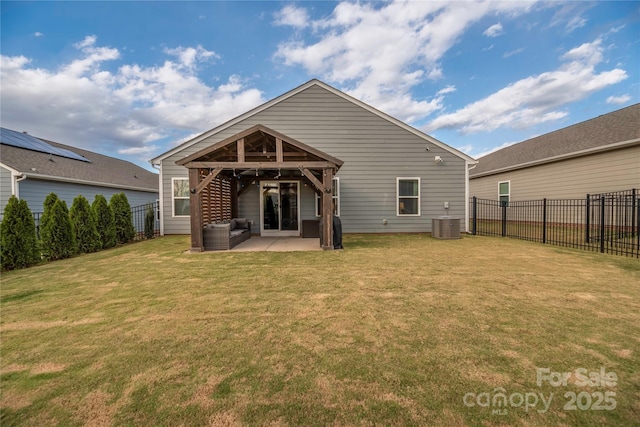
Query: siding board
column 5, row 187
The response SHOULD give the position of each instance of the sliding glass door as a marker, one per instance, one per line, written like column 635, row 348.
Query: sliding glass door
column 279, row 208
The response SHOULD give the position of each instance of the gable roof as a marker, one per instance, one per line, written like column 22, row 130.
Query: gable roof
column 287, row 95
column 606, row 132
column 262, row 131
column 100, row 170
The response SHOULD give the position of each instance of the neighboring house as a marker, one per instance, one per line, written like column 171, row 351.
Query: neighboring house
column 290, row 159
column 595, row 156
column 31, row 168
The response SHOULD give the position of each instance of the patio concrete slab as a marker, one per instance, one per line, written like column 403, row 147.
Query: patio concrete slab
column 278, row 244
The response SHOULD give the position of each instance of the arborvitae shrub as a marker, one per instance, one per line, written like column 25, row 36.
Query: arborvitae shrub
column 49, row 201
column 123, row 218
column 58, row 241
column 105, row 222
column 84, row 225
column 149, row 222
column 19, row 241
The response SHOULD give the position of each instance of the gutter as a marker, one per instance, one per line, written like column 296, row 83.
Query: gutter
column 94, row 183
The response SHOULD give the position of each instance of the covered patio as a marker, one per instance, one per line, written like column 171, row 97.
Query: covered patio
column 278, row 244
column 220, row 174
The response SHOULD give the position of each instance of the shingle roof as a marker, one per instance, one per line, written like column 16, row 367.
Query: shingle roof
column 605, row 131
column 102, row 170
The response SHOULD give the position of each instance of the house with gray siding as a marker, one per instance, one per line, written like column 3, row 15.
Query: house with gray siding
column 285, row 162
column 600, row 155
column 31, row 168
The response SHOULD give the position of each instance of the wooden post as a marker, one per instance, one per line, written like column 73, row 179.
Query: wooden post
column 195, row 202
column 234, row 197
column 240, row 143
column 327, row 209
column 279, row 151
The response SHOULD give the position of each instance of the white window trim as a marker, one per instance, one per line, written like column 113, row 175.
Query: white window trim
column 502, row 195
column 408, row 178
column 336, row 198
column 173, row 198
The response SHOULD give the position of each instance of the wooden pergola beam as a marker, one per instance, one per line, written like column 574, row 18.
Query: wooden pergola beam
column 240, row 150
column 315, row 181
column 207, row 180
column 195, row 206
column 260, row 165
column 327, row 210
column 279, row 156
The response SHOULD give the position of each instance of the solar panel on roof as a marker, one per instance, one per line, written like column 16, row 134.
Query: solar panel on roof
column 28, row 142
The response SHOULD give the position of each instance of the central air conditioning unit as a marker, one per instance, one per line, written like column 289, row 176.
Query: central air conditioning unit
column 445, row 227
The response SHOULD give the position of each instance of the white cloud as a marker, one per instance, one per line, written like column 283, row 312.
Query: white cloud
column 85, row 104
column 293, row 16
column 494, row 31
column 575, row 23
column 513, row 52
column 189, row 56
column 38, row 34
column 492, row 150
column 571, row 15
column 622, row 99
column 535, row 99
column 378, row 52
column 447, row 89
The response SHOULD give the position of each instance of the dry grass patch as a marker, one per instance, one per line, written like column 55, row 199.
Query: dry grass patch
column 394, row 330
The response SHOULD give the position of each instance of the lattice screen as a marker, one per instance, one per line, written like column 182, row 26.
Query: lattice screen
column 216, row 199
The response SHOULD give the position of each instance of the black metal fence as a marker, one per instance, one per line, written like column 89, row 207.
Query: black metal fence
column 608, row 222
column 138, row 214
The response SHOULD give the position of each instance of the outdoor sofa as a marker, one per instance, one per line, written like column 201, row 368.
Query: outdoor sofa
column 224, row 236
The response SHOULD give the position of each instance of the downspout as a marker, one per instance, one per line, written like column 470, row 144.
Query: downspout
column 160, row 196
column 16, row 187
column 466, row 195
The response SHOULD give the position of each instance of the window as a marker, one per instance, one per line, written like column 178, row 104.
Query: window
column 408, row 192
column 336, row 198
column 180, row 195
column 504, row 192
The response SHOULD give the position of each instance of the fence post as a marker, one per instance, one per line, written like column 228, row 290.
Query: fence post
column 544, row 220
column 636, row 204
column 602, row 226
column 503, row 204
column 587, row 219
column 474, row 215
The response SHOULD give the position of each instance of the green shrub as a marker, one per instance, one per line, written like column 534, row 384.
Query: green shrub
column 19, row 241
column 105, row 222
column 84, row 225
column 49, row 201
column 123, row 218
column 149, row 222
column 58, row 241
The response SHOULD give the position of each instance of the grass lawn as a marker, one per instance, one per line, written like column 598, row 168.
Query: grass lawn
column 394, row 330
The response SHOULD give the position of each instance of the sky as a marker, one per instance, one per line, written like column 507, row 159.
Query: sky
column 133, row 79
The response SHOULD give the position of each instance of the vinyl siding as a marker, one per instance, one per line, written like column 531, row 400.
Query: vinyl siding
column 375, row 152
column 572, row 178
column 34, row 191
column 5, row 187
